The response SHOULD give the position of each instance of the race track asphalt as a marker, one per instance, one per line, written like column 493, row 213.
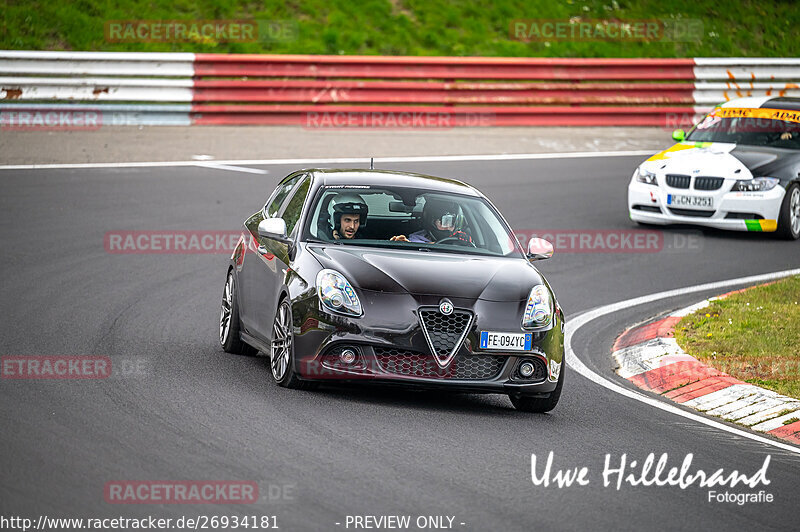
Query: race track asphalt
column 196, row 413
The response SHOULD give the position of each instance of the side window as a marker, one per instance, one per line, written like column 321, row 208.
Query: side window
column 280, row 194
column 291, row 214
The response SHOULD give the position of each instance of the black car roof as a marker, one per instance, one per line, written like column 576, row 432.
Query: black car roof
column 357, row 177
column 783, row 102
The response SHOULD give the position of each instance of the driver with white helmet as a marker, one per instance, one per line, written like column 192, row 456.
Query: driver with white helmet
column 438, row 223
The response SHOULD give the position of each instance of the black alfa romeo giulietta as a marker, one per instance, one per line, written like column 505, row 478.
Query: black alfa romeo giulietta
column 393, row 278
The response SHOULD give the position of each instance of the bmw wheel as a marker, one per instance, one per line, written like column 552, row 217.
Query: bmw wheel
column 229, row 325
column 789, row 218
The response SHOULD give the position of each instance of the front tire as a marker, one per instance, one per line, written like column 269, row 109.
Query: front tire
column 281, row 359
column 229, row 324
column 539, row 405
column 789, row 217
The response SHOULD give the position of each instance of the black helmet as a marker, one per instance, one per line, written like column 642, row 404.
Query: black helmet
column 349, row 204
column 445, row 211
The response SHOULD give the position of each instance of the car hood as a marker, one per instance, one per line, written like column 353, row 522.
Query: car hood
column 725, row 160
column 431, row 273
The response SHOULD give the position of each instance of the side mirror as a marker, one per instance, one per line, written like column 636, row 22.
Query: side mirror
column 539, row 249
column 678, row 135
column 274, row 228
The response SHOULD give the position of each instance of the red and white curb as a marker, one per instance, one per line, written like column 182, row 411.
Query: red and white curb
column 649, row 357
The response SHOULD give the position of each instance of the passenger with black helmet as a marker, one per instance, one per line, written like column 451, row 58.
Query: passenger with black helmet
column 349, row 215
column 438, row 223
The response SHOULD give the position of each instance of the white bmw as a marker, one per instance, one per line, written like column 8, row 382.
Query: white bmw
column 738, row 169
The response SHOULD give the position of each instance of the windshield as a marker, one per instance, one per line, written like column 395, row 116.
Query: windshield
column 755, row 127
column 408, row 218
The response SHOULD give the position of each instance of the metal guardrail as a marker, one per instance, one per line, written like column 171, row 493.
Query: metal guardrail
column 288, row 89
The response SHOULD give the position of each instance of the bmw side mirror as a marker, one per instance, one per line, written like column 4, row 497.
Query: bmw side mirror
column 678, row 135
column 274, row 228
column 539, row 249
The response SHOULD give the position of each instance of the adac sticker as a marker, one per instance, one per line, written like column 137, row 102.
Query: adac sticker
column 770, row 114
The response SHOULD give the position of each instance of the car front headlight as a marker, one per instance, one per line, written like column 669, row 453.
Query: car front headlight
column 336, row 293
column 757, row 184
column 539, row 309
column 645, row 176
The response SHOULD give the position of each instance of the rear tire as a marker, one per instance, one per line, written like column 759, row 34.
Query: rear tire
column 789, row 217
column 229, row 325
column 540, row 405
column 281, row 358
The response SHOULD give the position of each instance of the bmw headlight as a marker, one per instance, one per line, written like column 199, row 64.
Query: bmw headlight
column 645, row 176
column 539, row 309
column 336, row 293
column 757, row 184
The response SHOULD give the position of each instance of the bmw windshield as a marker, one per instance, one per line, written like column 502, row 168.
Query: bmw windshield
column 408, row 218
column 754, row 128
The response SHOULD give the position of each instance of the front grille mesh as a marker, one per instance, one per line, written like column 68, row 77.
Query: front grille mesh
column 708, row 183
column 678, row 180
column 743, row 216
column 647, row 208
column 445, row 333
column 463, row 367
column 691, row 212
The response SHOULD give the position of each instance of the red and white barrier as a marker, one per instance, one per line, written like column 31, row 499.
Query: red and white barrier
column 471, row 91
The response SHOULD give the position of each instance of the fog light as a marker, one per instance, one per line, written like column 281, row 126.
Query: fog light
column 526, row 369
column 347, row 356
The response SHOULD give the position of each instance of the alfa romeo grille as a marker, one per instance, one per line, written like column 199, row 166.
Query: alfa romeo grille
column 463, row 367
column 444, row 334
column 678, row 180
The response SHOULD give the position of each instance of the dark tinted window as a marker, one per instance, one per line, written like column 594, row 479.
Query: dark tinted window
column 295, row 206
column 280, row 194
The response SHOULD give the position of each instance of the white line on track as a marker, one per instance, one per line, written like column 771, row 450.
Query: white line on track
column 217, row 166
column 345, row 160
column 576, row 364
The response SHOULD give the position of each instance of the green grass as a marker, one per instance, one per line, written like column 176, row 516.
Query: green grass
column 753, row 336
column 410, row 27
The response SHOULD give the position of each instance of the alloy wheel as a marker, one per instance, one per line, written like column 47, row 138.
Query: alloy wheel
column 281, row 342
column 226, row 310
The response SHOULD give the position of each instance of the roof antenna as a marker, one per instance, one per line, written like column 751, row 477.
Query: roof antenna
column 371, row 165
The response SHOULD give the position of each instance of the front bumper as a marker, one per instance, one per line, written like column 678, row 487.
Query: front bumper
column 392, row 349
column 736, row 211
